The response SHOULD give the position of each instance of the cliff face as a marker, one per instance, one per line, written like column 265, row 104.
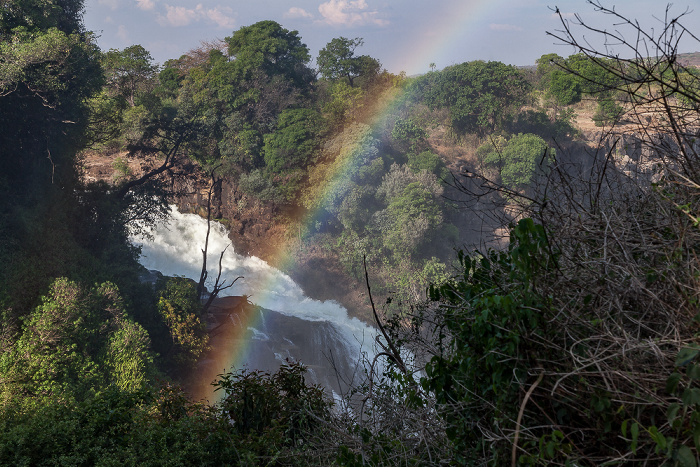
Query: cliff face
column 255, row 227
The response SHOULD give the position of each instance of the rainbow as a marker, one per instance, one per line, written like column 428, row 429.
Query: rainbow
column 334, row 174
column 450, row 27
column 235, row 351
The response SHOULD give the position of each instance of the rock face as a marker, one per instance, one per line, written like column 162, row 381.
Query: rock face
column 254, row 226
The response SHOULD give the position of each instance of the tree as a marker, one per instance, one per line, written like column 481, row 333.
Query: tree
column 268, row 47
column 45, row 78
column 272, row 410
column 608, row 112
column 536, row 364
column 481, row 96
column 595, row 75
column 40, row 15
column 519, row 160
column 564, row 88
column 337, row 60
column 291, row 146
column 546, row 65
column 241, row 95
column 129, row 71
column 409, row 136
column 49, row 68
column 180, row 309
column 79, row 340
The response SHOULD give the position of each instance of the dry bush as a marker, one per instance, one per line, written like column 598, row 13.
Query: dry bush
column 608, row 373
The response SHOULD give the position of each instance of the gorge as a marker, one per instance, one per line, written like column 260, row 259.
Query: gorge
column 284, row 324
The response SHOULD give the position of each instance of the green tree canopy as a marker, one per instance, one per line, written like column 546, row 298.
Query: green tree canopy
column 595, row 76
column 65, row 15
column 293, row 143
column 242, row 95
column 411, row 216
column 546, row 64
column 338, row 60
column 48, row 69
column 269, row 47
column 129, row 71
column 481, row 96
column 564, row 88
column 79, row 339
column 179, row 308
column 518, row 160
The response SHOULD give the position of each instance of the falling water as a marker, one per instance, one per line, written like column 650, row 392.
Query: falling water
column 291, row 326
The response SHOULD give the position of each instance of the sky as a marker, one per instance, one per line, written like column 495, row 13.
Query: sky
column 404, row 35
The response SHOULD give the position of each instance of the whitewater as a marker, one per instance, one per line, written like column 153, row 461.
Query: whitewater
column 313, row 327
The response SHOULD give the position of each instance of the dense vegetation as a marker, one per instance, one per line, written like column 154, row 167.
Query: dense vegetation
column 573, row 342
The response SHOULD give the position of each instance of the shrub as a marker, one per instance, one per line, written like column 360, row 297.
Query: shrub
column 520, row 160
column 608, row 112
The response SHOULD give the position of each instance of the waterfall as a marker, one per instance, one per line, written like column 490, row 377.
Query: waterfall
column 293, row 326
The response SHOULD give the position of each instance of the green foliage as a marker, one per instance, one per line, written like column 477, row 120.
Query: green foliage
column 256, row 184
column 428, row 161
column 77, row 341
column 519, row 160
column 293, row 143
column 487, row 309
column 540, row 124
column 564, row 88
column 342, row 102
column 480, row 96
column 268, row 47
column 116, row 428
column 407, row 131
column 128, row 357
column 337, row 60
column 271, row 411
column 595, row 76
column 409, row 137
column 45, row 78
column 681, row 442
column 37, row 15
column 409, row 219
column 237, row 101
column 546, row 65
column 129, row 72
column 179, row 307
column 357, row 207
column 121, row 168
column 608, row 112
column 689, row 92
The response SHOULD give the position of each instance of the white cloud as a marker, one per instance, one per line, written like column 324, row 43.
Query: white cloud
column 177, row 16
column 296, row 12
column 182, row 16
column 504, row 27
column 123, row 34
column 111, row 4
column 349, row 12
column 145, row 4
column 217, row 15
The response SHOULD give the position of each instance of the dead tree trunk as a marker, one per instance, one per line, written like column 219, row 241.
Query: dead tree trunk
column 218, row 284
